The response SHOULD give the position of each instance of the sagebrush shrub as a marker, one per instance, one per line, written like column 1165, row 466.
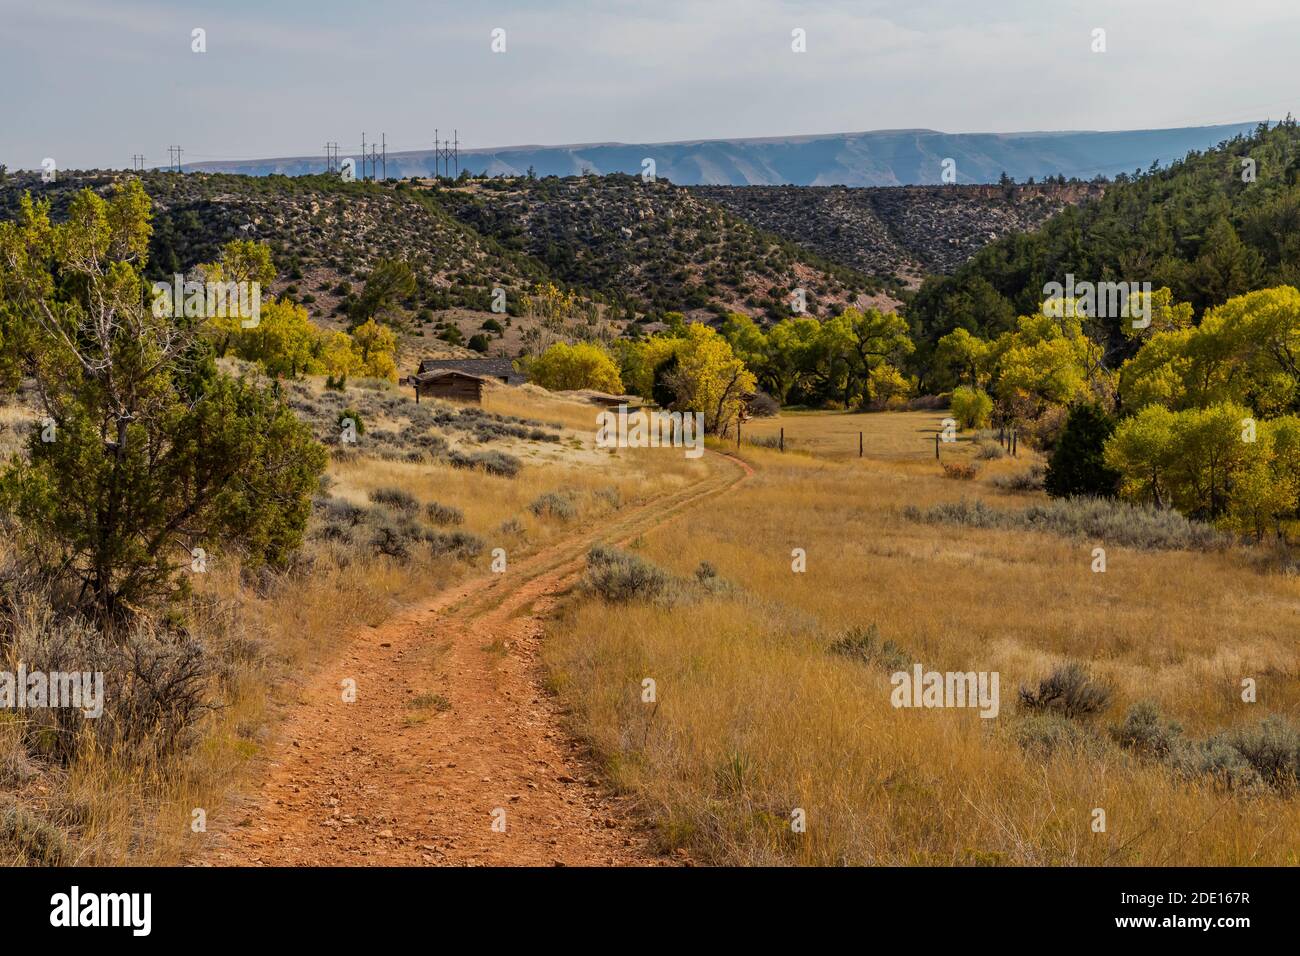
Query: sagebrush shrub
column 620, row 577
column 1068, row 690
column 443, row 514
column 493, row 462
column 554, row 504
column 396, row 498
column 1117, row 522
column 864, row 645
column 1146, row 732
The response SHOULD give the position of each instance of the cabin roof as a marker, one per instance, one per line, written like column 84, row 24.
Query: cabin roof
column 501, row 369
column 443, row 374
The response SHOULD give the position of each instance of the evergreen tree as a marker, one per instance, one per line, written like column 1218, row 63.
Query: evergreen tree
column 1077, row 467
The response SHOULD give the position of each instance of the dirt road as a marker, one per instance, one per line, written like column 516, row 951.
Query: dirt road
column 451, row 732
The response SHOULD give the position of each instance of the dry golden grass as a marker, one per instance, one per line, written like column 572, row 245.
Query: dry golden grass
column 108, row 809
column 755, row 718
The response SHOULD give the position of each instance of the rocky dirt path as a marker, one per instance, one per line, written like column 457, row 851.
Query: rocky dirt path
column 452, row 730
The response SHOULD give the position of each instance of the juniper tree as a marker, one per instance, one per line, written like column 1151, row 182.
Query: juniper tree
column 144, row 450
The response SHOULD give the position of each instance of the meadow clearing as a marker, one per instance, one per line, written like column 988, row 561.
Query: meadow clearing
column 756, row 715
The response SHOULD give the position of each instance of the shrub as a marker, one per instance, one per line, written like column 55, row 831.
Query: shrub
column 33, row 839
column 865, row 646
column 609, row 496
column 1272, row 748
column 960, row 471
column 1044, row 734
column 763, row 405
column 1146, row 732
column 1135, row 526
column 554, row 504
column 1031, row 480
column 493, row 462
column 394, row 534
column 354, row 416
column 988, row 450
column 1069, row 691
column 395, row 498
column 619, row 577
column 971, row 407
column 1218, row 759
column 443, row 514
column 1077, row 466
column 154, row 686
column 460, row 544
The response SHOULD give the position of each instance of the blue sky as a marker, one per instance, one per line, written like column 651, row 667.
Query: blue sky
column 90, row 82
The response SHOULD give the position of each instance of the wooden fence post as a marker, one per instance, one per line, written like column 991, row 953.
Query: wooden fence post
column 737, row 434
column 1014, row 443
column 859, row 444
column 782, row 438
column 936, row 446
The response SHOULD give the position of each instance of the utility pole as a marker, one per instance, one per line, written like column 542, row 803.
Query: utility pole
column 175, row 153
column 331, row 157
column 385, row 136
column 363, row 157
column 137, row 162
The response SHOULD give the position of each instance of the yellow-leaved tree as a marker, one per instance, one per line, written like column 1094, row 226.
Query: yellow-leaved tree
column 583, row 365
column 374, row 349
column 709, row 378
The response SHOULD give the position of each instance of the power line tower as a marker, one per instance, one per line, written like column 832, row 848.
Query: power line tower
column 137, row 162
column 446, row 153
column 363, row 157
column 385, row 155
column 175, row 153
column 331, row 157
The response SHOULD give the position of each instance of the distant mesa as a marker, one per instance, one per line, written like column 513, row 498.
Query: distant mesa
column 909, row 157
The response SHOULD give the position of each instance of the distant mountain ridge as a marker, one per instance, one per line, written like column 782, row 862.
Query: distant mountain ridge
column 910, row 157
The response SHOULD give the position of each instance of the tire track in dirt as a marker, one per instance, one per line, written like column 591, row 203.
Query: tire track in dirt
column 380, row 782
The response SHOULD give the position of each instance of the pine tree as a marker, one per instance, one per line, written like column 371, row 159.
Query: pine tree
column 1077, row 467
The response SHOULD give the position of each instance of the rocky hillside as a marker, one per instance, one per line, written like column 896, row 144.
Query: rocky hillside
column 650, row 247
column 628, row 250
column 904, row 231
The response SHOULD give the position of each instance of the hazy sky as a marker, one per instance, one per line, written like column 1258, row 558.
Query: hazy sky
column 90, row 82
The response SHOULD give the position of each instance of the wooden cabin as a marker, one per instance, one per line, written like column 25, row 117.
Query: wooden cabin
column 450, row 384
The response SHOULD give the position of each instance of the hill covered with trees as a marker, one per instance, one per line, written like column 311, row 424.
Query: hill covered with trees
column 1213, row 225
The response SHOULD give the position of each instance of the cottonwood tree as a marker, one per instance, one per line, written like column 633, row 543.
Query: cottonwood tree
column 710, row 379
column 145, row 450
